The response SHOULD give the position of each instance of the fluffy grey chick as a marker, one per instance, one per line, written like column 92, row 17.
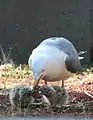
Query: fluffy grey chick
column 61, row 96
column 49, row 92
column 56, row 95
column 20, row 96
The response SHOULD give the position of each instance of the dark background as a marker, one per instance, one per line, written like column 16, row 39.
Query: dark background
column 25, row 23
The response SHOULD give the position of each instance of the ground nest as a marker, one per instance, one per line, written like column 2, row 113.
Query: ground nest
column 79, row 104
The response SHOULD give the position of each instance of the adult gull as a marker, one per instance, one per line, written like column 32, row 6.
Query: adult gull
column 54, row 59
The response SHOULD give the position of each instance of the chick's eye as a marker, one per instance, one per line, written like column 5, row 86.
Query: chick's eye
column 58, row 90
column 63, row 93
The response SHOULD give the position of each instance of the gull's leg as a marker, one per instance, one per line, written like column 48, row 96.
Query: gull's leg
column 62, row 83
column 45, row 82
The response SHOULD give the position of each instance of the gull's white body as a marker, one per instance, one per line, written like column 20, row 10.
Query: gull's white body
column 49, row 58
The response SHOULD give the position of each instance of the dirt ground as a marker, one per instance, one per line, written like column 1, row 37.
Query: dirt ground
column 79, row 88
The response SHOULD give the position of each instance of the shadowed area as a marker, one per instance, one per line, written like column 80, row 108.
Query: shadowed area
column 46, row 118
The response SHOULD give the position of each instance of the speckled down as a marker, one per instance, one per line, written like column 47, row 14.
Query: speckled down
column 56, row 95
column 20, row 96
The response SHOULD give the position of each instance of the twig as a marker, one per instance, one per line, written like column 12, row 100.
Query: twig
column 88, row 94
column 8, row 56
column 3, row 54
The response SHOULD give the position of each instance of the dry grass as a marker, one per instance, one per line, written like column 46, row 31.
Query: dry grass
column 11, row 75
